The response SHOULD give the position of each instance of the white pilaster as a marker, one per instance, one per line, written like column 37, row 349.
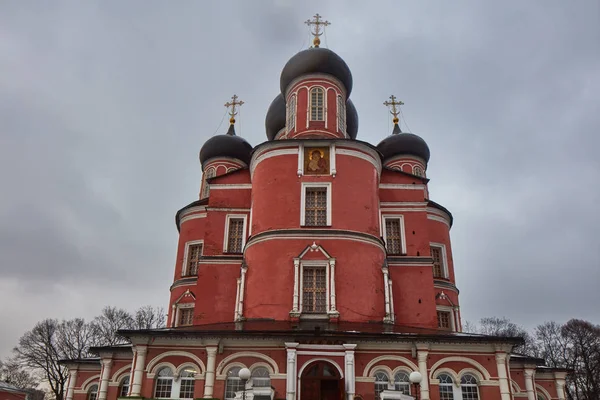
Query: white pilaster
column 422, row 358
column 393, row 313
column 559, row 380
column 350, row 375
column 209, row 380
column 106, row 367
column 332, row 309
column 71, row 386
column 529, row 386
column 386, row 289
column 291, row 371
column 242, row 287
column 131, row 371
column 502, row 375
column 296, row 300
column 236, row 315
column 138, row 374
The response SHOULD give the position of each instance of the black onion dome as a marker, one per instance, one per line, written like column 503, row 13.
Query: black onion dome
column 403, row 143
column 228, row 145
column 351, row 119
column 275, row 120
column 316, row 60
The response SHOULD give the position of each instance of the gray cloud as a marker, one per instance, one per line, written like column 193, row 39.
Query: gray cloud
column 104, row 106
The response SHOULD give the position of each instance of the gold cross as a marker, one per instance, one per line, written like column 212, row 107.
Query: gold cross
column 317, row 32
column 233, row 103
column 393, row 103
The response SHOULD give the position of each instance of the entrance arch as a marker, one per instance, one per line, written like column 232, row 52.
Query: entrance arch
column 321, row 380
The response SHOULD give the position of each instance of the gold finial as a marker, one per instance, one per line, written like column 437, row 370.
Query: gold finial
column 317, row 32
column 394, row 111
column 233, row 103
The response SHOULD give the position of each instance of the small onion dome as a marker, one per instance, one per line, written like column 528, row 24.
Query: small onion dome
column 275, row 120
column 228, row 145
column 403, row 143
column 351, row 119
column 316, row 60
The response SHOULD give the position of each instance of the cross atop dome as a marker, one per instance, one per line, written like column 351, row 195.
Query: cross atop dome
column 233, row 104
column 395, row 111
column 318, row 23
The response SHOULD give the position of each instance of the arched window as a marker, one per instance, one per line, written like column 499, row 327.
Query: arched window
column 417, row 170
column 446, row 391
column 341, row 114
column 401, row 382
column 93, row 392
column 124, row 387
column 186, row 383
column 164, row 383
column 233, row 383
column 468, row 387
column 291, row 114
column 260, row 377
column 381, row 383
column 317, row 104
column 541, row 396
column 210, row 173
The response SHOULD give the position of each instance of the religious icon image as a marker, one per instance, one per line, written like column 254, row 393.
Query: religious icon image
column 316, row 161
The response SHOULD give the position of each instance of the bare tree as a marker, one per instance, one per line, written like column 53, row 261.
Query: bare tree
column 149, row 317
column 108, row 323
column 503, row 327
column 583, row 353
column 13, row 373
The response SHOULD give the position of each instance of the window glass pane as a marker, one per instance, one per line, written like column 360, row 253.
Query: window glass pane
column 291, row 122
column 438, row 264
column 341, row 109
column 164, row 383
column 260, row 377
column 393, row 235
column 446, row 390
column 468, row 384
column 381, row 383
column 444, row 320
column 317, row 104
column 186, row 316
column 193, row 258
column 315, row 208
column 233, row 383
column 93, row 392
column 402, row 383
column 124, row 387
column 235, row 237
column 314, row 290
column 186, row 388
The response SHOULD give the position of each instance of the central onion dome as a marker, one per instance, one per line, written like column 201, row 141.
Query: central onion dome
column 314, row 61
column 399, row 143
column 228, row 145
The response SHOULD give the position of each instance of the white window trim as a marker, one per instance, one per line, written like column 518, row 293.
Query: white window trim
column 292, row 112
column 304, row 186
column 206, row 187
column 332, row 162
column 309, row 108
column 226, row 235
column 444, row 258
column 402, row 231
column 184, row 267
column 175, row 385
column 341, row 107
column 449, row 310
column 178, row 309
column 329, row 265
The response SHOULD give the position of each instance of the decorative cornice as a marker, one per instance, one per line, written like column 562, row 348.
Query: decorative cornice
column 313, row 234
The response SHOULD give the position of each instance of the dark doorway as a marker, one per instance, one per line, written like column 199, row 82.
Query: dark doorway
column 321, row 381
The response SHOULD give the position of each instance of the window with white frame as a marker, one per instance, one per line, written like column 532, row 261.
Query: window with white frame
column 235, row 240
column 469, row 387
column 186, row 383
column 393, row 234
column 316, row 204
column 192, row 259
column 382, row 381
column 417, row 170
column 314, row 289
column 233, row 383
column 446, row 387
column 210, row 173
column 164, row 383
column 541, row 396
column 401, row 382
column 291, row 113
column 439, row 265
column 260, row 377
column 167, row 387
column 93, row 392
column 124, row 387
column 317, row 104
column 444, row 319
column 341, row 114
column 186, row 316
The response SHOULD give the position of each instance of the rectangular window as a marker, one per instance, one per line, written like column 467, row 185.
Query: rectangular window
column 186, row 390
column 235, row 236
column 341, row 109
column 193, row 259
column 317, row 105
column 186, row 316
column 291, row 114
column 163, row 388
column 438, row 262
column 315, row 208
column 314, row 296
column 393, row 235
column 444, row 320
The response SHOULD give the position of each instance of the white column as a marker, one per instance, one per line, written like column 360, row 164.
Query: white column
column 291, row 372
column 333, row 309
column 242, row 287
column 131, row 371
column 386, row 290
column 296, row 300
column 349, row 374
column 138, row 374
column 392, row 312
column 72, row 380
column 502, row 376
column 529, row 386
column 422, row 358
column 236, row 315
column 209, row 379
column 457, row 321
column 559, row 380
column 106, row 367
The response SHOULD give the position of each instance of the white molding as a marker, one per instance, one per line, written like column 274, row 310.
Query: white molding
column 244, row 230
column 402, row 230
column 435, row 368
column 153, row 365
column 214, row 262
column 449, row 310
column 403, row 203
column 186, row 251
column 225, row 363
column 92, row 380
column 307, row 81
column 410, row 157
column 358, row 154
column 269, row 152
column 190, row 217
column 311, row 236
column 303, row 187
column 118, row 375
column 310, row 105
column 314, row 360
column 227, row 186
column 193, row 210
column 321, row 353
column 401, row 186
column 445, row 267
column 373, row 363
column 438, row 219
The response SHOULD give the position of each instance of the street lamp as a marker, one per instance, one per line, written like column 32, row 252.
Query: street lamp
column 244, row 375
column 415, row 378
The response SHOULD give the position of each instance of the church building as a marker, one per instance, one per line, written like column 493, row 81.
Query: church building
column 314, row 266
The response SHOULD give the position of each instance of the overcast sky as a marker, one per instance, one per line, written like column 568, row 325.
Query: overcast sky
column 104, row 106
